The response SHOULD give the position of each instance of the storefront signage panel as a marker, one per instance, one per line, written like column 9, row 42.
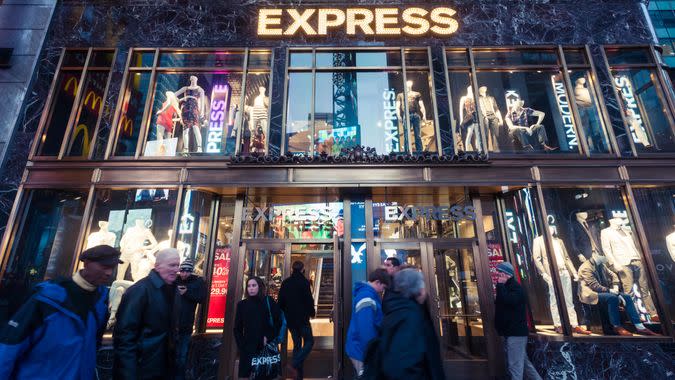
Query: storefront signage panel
column 388, row 22
column 410, row 212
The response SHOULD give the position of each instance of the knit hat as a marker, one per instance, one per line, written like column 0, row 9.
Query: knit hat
column 187, row 266
column 507, row 268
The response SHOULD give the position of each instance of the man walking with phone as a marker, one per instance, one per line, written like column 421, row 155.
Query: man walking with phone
column 192, row 290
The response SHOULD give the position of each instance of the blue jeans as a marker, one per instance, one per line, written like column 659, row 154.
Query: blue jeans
column 611, row 302
column 415, row 123
column 182, row 345
column 303, row 341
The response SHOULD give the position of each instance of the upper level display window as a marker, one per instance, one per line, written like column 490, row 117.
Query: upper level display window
column 381, row 99
column 194, row 103
column 644, row 105
column 70, row 122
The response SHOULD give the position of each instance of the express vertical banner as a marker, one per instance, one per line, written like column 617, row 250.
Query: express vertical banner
column 215, row 317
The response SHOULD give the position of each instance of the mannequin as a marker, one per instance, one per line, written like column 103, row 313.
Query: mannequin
column 567, row 272
column 180, row 246
column 469, row 121
column 670, row 244
column 521, row 126
column 491, row 115
column 624, row 260
column 581, row 93
column 259, row 119
column 117, row 289
column 166, row 116
column 102, row 237
column 582, row 218
column 193, row 109
column 133, row 248
column 636, row 126
column 417, row 114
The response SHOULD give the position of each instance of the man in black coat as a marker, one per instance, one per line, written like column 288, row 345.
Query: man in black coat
column 511, row 323
column 143, row 338
column 297, row 303
column 192, row 290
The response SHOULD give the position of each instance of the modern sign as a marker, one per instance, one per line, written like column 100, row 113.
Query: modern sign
column 410, row 212
column 390, row 22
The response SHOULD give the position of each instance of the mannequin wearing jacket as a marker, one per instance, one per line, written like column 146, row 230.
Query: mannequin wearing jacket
column 567, row 272
column 624, row 259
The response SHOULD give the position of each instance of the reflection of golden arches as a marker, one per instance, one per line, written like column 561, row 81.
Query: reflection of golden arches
column 127, row 125
column 85, row 142
column 96, row 103
column 73, row 81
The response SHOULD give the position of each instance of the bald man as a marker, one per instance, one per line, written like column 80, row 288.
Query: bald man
column 144, row 333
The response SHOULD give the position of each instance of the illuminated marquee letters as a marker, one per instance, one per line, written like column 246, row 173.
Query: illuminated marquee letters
column 220, row 102
column 365, row 21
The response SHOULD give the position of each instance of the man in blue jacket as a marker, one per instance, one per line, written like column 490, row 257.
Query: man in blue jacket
column 366, row 316
column 55, row 334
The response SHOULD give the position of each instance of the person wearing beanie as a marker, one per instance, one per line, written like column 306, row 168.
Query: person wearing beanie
column 511, row 323
column 55, row 334
column 192, row 291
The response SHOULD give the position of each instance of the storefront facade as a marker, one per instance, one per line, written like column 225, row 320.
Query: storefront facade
column 452, row 136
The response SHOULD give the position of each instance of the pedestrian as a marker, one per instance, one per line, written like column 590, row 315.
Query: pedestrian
column 297, row 303
column 257, row 322
column 408, row 346
column 192, row 291
column 56, row 332
column 392, row 265
column 144, row 334
column 366, row 316
column 511, row 323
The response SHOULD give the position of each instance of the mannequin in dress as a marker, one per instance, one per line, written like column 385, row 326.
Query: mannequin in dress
column 624, row 259
column 133, row 248
column 193, row 110
column 417, row 115
column 166, row 116
column 468, row 121
column 670, row 243
column 259, row 120
column 567, row 272
column 491, row 115
column 102, row 237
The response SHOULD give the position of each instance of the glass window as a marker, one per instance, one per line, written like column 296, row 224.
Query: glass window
column 364, row 107
column 466, row 131
column 657, row 212
column 202, row 59
column 487, row 57
column 222, row 256
column 594, row 232
column 193, row 228
column 142, row 59
column 138, row 222
column 645, row 110
column 86, row 113
column 590, row 117
column 457, row 57
column 524, row 239
column 495, row 241
column 628, row 56
column 46, row 242
column 301, row 59
column 131, row 117
column 575, row 56
column 526, row 111
column 255, row 125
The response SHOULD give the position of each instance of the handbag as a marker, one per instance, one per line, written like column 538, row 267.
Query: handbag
column 266, row 364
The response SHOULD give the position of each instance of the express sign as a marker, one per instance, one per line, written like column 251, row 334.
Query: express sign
column 389, row 22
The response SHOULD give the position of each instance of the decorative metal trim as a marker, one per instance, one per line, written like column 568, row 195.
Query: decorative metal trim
column 361, row 155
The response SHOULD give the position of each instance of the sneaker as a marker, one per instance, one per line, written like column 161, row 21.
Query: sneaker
column 581, row 330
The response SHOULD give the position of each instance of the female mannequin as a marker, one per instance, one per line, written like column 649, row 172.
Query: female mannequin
column 259, row 118
column 193, row 109
column 469, row 120
column 165, row 116
column 102, row 237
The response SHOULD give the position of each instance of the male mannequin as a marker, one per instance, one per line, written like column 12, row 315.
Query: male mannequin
column 193, row 110
column 582, row 97
column 468, row 121
column 491, row 115
column 566, row 270
column 416, row 114
column 636, row 126
column 590, row 232
column 670, row 244
column 624, row 259
column 102, row 237
column 133, row 248
column 519, row 121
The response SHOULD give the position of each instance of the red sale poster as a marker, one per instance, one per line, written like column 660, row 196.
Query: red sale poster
column 495, row 257
column 215, row 318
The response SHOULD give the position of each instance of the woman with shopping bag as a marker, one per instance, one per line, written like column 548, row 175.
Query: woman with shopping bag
column 257, row 329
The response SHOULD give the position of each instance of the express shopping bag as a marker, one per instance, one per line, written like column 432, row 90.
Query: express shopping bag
column 266, row 364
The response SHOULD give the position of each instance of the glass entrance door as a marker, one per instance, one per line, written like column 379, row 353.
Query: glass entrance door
column 272, row 261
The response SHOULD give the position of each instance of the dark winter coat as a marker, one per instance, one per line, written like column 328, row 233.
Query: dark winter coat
column 195, row 293
column 511, row 309
column 47, row 339
column 410, row 346
column 251, row 324
column 296, row 301
column 144, row 333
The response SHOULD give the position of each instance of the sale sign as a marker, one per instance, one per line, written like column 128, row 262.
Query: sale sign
column 215, row 318
column 495, row 257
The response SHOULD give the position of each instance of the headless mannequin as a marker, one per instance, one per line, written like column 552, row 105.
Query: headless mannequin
column 165, row 116
column 581, row 93
column 624, row 259
column 636, row 126
column 259, row 119
column 417, row 114
column 567, row 272
column 582, row 219
column 469, row 121
column 102, row 237
column 133, row 248
column 491, row 115
column 518, row 122
column 193, row 109
column 670, row 243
